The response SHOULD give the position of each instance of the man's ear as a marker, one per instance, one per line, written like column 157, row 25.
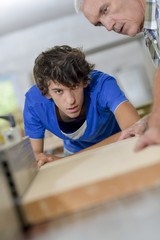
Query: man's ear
column 85, row 84
column 48, row 96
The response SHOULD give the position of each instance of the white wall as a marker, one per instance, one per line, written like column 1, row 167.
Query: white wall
column 18, row 49
column 19, row 14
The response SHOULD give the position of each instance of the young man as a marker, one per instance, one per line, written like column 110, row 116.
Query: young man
column 80, row 105
column 130, row 17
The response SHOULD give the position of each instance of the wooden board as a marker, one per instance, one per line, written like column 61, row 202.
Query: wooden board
column 90, row 178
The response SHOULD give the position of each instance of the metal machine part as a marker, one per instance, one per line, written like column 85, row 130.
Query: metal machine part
column 9, row 220
column 18, row 169
column 13, row 134
column 19, row 163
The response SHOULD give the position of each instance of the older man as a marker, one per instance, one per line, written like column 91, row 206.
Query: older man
column 130, row 17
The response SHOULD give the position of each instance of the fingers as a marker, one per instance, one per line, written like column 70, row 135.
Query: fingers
column 150, row 137
column 44, row 161
column 43, row 158
column 41, row 163
column 142, row 142
column 126, row 134
column 135, row 130
column 51, row 159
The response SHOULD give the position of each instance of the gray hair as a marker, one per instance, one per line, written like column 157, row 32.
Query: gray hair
column 78, row 5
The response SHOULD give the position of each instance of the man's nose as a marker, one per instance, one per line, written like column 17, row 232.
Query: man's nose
column 109, row 24
column 70, row 98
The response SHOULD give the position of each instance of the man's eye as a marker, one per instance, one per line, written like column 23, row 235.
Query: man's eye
column 75, row 86
column 104, row 10
column 58, row 91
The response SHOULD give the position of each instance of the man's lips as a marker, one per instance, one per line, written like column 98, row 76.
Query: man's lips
column 118, row 29
column 72, row 110
column 122, row 29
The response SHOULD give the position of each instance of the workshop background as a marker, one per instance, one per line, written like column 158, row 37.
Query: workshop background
column 26, row 29
column 29, row 27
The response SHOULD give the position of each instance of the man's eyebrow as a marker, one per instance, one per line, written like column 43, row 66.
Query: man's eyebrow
column 56, row 89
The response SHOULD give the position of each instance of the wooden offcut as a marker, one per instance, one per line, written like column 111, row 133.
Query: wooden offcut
column 89, row 178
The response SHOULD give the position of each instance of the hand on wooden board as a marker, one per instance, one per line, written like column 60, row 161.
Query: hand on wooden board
column 136, row 129
column 44, row 158
column 150, row 137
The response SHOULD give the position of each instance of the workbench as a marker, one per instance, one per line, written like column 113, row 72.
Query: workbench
column 130, row 216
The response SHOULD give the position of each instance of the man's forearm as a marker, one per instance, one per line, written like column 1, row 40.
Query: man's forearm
column 104, row 142
column 155, row 115
column 152, row 135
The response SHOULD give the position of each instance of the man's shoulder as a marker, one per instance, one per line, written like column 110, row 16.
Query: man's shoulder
column 33, row 90
column 34, row 95
column 98, row 78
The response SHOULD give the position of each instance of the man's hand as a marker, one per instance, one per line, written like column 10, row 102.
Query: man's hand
column 150, row 137
column 43, row 158
column 136, row 129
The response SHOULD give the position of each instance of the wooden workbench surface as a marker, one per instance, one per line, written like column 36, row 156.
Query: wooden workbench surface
column 89, row 178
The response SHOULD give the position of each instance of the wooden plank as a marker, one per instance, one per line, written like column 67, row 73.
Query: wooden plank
column 90, row 178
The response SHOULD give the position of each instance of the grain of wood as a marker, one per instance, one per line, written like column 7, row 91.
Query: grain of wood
column 90, row 178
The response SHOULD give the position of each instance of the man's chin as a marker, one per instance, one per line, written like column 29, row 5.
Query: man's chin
column 130, row 34
column 73, row 115
column 133, row 33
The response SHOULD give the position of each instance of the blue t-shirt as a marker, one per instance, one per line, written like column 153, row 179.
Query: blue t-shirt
column 102, row 96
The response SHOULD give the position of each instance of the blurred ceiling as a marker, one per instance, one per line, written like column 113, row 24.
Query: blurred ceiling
column 19, row 14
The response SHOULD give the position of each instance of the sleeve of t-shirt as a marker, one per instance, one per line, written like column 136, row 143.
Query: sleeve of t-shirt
column 32, row 124
column 110, row 95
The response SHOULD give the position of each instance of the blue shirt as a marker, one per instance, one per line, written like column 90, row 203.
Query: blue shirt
column 102, row 96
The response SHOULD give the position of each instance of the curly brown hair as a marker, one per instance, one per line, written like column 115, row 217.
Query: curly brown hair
column 61, row 64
